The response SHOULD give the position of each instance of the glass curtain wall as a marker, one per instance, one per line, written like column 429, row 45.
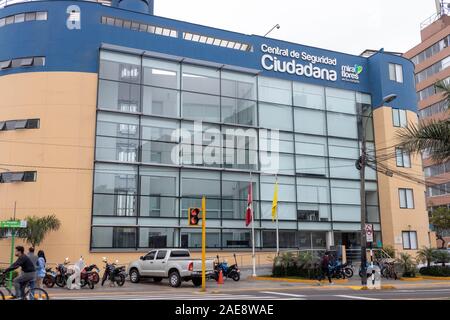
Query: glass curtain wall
column 150, row 169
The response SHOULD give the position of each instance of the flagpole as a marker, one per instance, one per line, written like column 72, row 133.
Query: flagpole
column 278, row 235
column 253, row 230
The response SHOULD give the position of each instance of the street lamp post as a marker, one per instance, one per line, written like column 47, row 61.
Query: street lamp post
column 362, row 163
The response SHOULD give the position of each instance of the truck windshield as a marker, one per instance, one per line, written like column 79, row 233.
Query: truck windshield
column 180, row 254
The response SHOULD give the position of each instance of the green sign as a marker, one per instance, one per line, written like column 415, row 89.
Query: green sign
column 14, row 224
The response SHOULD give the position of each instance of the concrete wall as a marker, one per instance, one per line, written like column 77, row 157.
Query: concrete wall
column 393, row 219
column 61, row 151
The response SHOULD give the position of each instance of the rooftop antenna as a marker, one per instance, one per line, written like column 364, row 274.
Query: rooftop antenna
column 277, row 26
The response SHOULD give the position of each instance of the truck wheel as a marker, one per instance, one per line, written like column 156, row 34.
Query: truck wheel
column 197, row 282
column 157, row 280
column 135, row 277
column 175, row 279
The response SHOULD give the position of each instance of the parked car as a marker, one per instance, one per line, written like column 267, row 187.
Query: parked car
column 173, row 264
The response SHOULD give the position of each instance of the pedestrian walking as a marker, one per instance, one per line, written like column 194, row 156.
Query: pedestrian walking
column 325, row 267
column 34, row 260
column 41, row 267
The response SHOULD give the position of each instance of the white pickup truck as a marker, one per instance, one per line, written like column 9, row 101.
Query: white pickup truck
column 174, row 264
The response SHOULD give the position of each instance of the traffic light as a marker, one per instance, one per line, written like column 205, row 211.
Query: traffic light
column 194, row 216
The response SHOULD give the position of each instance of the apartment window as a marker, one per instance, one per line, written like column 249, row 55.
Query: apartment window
column 396, row 72
column 410, row 240
column 406, row 197
column 12, row 177
column 19, row 124
column 403, row 158
column 399, row 118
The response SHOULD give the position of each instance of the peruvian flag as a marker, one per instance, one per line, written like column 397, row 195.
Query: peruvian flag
column 249, row 213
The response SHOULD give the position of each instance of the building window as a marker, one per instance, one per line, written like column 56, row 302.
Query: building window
column 406, row 198
column 19, row 124
column 410, row 240
column 437, row 170
column 399, row 118
column 22, row 62
column 11, row 177
column 403, row 158
column 396, row 72
column 137, row 26
column 22, row 17
column 217, row 42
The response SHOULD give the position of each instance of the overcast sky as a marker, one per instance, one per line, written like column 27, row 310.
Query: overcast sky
column 349, row 26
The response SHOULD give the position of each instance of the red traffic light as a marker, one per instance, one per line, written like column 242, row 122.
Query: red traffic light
column 194, row 216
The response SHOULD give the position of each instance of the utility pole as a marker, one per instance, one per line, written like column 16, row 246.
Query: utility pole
column 361, row 166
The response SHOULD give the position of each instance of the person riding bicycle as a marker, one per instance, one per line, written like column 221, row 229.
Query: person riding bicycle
column 28, row 271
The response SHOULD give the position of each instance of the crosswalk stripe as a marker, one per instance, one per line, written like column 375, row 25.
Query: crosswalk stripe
column 356, row 297
column 284, row 294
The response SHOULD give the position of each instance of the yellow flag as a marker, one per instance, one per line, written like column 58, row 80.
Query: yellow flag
column 275, row 202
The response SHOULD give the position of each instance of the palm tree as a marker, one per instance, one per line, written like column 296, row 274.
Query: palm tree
column 38, row 228
column 407, row 264
column 432, row 135
column 426, row 255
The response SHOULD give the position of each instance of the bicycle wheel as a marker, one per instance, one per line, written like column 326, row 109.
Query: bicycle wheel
column 36, row 294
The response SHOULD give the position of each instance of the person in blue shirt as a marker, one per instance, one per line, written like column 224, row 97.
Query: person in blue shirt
column 40, row 268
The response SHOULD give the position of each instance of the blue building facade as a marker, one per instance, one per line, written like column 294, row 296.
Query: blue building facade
column 158, row 76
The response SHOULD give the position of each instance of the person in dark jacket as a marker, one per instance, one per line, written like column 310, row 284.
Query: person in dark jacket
column 28, row 271
column 34, row 260
column 325, row 267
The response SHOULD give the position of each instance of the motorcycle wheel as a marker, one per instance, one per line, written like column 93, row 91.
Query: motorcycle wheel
column 91, row 285
column 105, row 276
column 121, row 281
column 60, row 281
column 95, row 277
column 83, row 283
column 49, row 282
column 236, row 276
column 348, row 272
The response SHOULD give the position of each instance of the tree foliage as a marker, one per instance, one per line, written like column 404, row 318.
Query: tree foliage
column 440, row 219
column 432, row 136
column 37, row 229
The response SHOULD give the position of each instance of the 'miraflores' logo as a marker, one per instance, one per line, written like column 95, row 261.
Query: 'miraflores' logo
column 351, row 73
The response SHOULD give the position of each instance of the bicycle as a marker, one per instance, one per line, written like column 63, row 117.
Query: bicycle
column 388, row 270
column 29, row 294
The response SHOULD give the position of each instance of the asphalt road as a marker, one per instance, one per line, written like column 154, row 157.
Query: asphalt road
column 255, row 290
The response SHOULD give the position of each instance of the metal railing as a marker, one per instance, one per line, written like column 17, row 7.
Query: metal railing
column 5, row 3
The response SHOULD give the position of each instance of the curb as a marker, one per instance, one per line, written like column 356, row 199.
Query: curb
column 412, row 279
column 436, row 278
column 291, row 280
column 360, row 288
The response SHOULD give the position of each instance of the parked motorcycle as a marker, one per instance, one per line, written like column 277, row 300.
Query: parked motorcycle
column 62, row 274
column 89, row 276
column 340, row 271
column 50, row 278
column 231, row 272
column 115, row 274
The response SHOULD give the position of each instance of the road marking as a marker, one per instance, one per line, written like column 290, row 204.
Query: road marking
column 284, row 294
column 356, row 297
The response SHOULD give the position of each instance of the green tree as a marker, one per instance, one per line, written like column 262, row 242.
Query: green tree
column 442, row 256
column 38, row 228
column 440, row 219
column 426, row 255
column 432, row 135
